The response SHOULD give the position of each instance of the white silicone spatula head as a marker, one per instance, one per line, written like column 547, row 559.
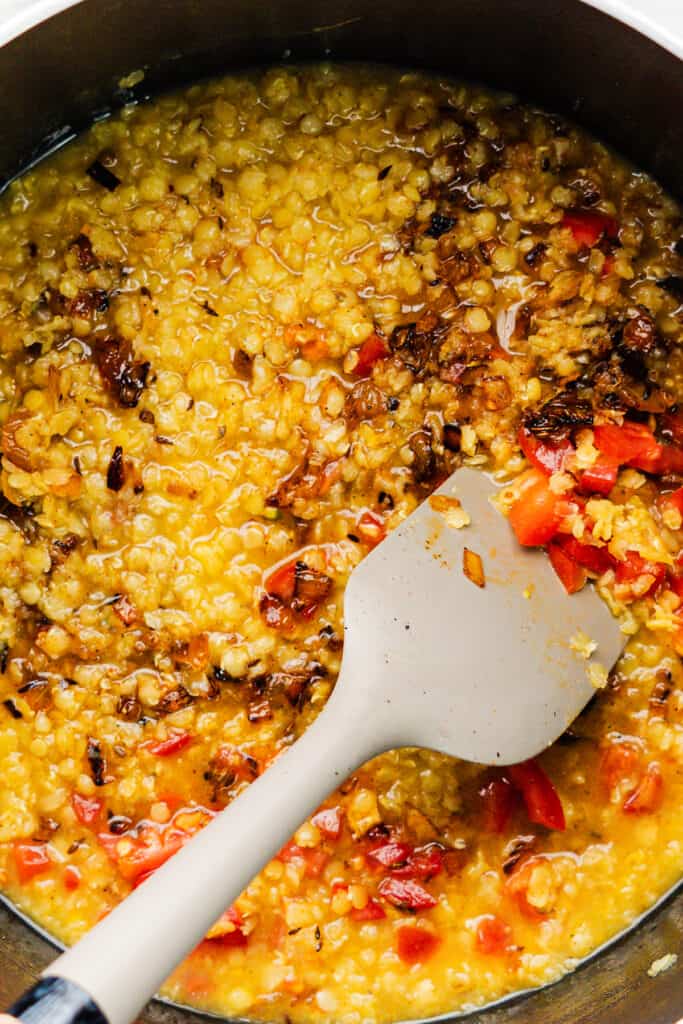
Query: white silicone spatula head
column 488, row 673
column 430, row 659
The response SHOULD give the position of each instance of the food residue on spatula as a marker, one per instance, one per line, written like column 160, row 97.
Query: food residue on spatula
column 450, row 508
column 473, row 567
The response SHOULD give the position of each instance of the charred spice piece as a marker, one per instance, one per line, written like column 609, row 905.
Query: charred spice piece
column 96, row 761
column 116, row 471
column 103, row 176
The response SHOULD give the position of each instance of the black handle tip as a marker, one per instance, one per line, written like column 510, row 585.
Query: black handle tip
column 57, row 1001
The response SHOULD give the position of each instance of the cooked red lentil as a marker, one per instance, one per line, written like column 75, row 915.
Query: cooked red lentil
column 245, row 329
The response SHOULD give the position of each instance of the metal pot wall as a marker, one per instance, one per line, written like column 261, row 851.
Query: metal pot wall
column 621, row 84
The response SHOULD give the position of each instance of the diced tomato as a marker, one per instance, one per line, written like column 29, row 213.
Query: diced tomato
column 227, row 932
column 517, row 887
column 291, row 852
column 537, row 511
column 423, row 864
column 142, row 855
column 281, row 582
column 668, row 460
column 31, row 859
column 572, row 576
column 601, row 477
column 230, row 940
column 634, row 444
column 316, row 862
column 177, row 740
column 72, row 877
column 329, row 822
column 372, row 911
column 543, row 805
column 589, row 226
column 628, row 444
column 108, row 843
column 314, row 859
column 634, row 567
column 88, row 810
column 139, row 879
column 415, row 945
column 406, row 894
column 373, row 349
column 673, row 499
column 389, row 855
column 648, row 795
column 590, row 556
column 619, row 761
column 546, row 457
column 493, row 934
column 371, row 529
column 499, row 798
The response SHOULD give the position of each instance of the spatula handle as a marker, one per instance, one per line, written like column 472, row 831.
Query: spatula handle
column 124, row 959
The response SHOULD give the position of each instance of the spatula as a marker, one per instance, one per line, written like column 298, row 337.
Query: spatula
column 431, row 659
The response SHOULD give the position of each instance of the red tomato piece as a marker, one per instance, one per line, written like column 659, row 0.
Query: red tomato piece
column 177, row 741
column 589, row 226
column 423, row 864
column 517, row 887
column 601, row 477
column 635, row 445
column 291, row 852
column 590, row 556
column 572, row 576
column 546, row 457
column 329, row 822
column 634, row 566
column 373, row 349
column 648, row 795
column 140, row 856
column 499, row 797
column 86, row 809
column 281, row 582
column 406, row 894
column 674, row 499
column 371, row 529
column 669, row 460
column 389, row 855
column 542, row 803
column 619, row 761
column 314, row 859
column 108, row 843
column 493, row 934
column 630, row 441
column 537, row 511
column 31, row 859
column 316, row 862
column 231, row 940
column 372, row 911
column 72, row 877
column 415, row 945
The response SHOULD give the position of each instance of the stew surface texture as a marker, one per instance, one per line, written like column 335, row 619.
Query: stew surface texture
column 244, row 330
